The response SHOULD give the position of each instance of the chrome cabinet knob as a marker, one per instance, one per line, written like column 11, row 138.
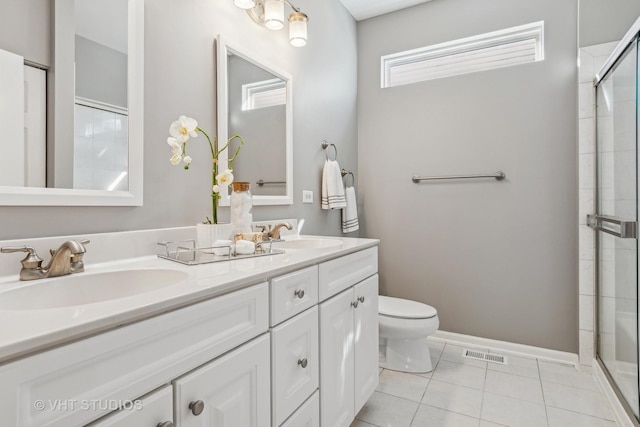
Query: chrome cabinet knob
column 196, row 407
column 303, row 362
column 165, row 424
column 361, row 299
column 354, row 304
column 299, row 293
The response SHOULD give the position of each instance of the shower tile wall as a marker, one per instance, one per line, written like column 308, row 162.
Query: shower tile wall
column 591, row 60
column 100, row 150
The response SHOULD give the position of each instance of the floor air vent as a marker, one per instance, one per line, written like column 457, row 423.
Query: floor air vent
column 486, row 357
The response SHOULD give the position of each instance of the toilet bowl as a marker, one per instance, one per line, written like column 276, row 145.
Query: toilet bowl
column 404, row 328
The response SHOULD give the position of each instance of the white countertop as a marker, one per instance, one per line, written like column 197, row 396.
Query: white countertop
column 28, row 331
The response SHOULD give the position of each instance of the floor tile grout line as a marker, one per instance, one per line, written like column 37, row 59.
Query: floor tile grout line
column 484, row 387
column 544, row 401
column 581, row 413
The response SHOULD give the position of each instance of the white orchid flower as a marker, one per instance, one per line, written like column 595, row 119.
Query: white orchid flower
column 225, row 178
column 175, row 146
column 176, row 159
column 187, row 160
column 216, row 188
column 183, row 128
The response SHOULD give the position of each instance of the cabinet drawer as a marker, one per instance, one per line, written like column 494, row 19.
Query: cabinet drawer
column 128, row 362
column 151, row 410
column 307, row 415
column 340, row 273
column 293, row 293
column 294, row 362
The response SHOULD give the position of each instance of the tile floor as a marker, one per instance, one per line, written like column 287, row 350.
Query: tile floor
column 462, row 392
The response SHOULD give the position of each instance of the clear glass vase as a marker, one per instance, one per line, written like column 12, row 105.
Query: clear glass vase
column 241, row 203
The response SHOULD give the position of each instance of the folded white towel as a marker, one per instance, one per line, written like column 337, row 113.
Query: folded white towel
column 332, row 186
column 350, row 213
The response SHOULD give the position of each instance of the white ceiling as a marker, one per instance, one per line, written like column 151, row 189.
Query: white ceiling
column 363, row 9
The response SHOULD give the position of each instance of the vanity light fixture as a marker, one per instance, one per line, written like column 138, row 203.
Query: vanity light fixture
column 270, row 13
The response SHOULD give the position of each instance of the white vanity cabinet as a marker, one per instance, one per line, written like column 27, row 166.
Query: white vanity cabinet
column 152, row 410
column 49, row 388
column 348, row 337
column 300, row 350
column 231, row 391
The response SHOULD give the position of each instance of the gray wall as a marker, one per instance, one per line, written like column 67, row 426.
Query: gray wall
column 180, row 79
column 25, row 29
column 497, row 259
column 101, row 72
column 606, row 21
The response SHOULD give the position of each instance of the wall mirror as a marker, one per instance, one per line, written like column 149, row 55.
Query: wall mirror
column 72, row 100
column 255, row 101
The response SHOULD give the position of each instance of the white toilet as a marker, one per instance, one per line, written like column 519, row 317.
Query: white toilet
column 404, row 328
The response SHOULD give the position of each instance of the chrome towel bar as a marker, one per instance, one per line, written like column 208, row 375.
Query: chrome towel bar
column 499, row 176
column 262, row 182
column 628, row 229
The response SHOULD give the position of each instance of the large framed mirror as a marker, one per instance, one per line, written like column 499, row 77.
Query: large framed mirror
column 255, row 101
column 72, row 101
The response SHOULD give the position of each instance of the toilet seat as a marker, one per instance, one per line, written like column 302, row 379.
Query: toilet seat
column 404, row 309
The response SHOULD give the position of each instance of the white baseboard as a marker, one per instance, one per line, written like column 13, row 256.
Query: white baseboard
column 622, row 419
column 507, row 347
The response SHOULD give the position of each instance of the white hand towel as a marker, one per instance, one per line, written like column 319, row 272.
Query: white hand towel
column 332, row 187
column 350, row 213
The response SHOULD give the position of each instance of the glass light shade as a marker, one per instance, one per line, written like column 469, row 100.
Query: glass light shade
column 244, row 4
column 274, row 14
column 298, row 29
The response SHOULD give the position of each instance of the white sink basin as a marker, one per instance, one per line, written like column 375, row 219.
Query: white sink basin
column 308, row 243
column 85, row 288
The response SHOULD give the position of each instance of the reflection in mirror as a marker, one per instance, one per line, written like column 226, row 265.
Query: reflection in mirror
column 257, row 111
column 72, row 100
column 254, row 100
column 100, row 148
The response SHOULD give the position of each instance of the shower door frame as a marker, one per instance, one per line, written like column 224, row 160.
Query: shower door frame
column 632, row 36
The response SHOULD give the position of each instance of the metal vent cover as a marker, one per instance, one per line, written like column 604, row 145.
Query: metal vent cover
column 485, row 357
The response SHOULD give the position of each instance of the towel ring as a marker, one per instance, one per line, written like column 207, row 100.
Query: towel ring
column 346, row 173
column 326, row 145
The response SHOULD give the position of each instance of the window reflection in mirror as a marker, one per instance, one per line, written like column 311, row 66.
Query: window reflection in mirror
column 257, row 111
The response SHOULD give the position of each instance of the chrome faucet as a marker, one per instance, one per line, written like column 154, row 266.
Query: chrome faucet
column 64, row 260
column 274, row 233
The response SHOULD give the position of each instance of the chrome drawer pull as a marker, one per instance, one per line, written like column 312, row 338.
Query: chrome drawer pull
column 196, row 407
column 354, row 304
column 361, row 299
column 303, row 362
column 299, row 293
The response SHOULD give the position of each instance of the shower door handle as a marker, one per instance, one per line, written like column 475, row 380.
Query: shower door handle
column 628, row 229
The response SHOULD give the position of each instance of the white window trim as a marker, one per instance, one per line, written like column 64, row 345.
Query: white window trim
column 496, row 38
column 251, row 90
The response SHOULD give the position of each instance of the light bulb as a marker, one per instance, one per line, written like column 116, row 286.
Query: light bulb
column 298, row 29
column 244, row 4
column 274, row 14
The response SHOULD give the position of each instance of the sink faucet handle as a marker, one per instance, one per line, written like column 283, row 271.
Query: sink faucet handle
column 85, row 242
column 31, row 261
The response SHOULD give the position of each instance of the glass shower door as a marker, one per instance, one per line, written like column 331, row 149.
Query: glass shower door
column 616, row 225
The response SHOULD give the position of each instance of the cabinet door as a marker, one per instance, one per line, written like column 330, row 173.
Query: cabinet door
column 366, row 340
column 231, row 391
column 336, row 360
column 150, row 411
column 294, row 358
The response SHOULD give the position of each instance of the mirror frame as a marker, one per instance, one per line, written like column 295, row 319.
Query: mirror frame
column 32, row 196
column 223, row 48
